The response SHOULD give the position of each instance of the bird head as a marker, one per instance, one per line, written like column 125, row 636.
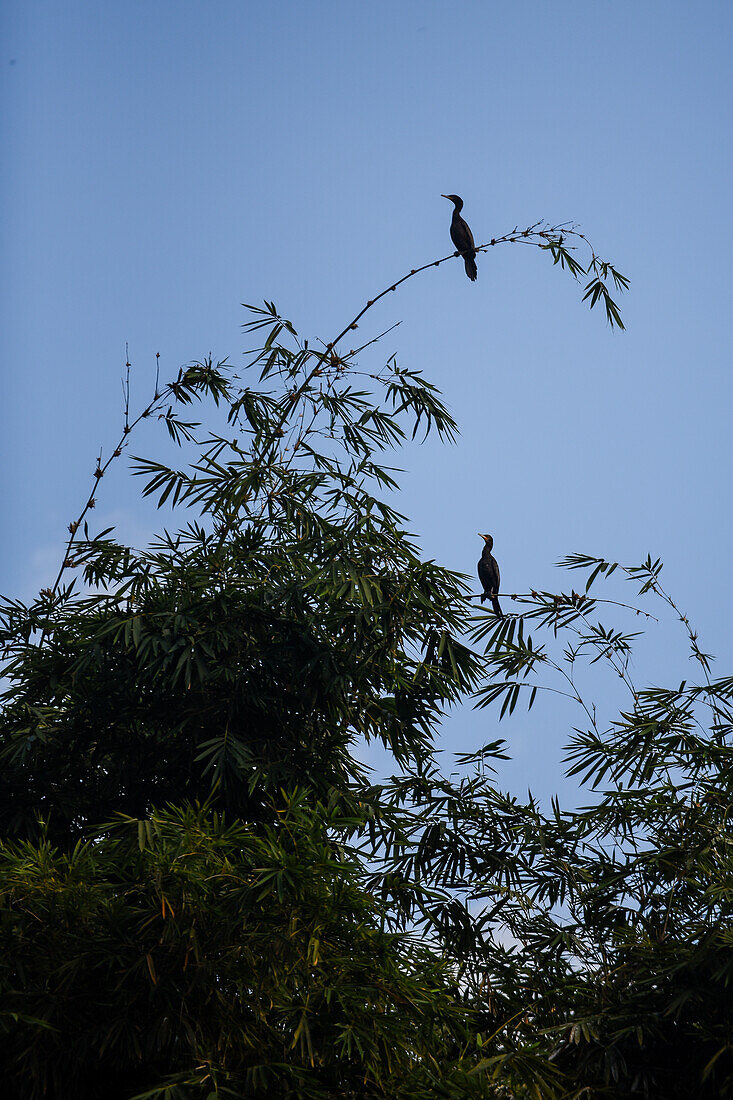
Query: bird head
column 487, row 539
column 455, row 199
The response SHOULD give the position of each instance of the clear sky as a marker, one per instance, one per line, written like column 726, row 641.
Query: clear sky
column 166, row 161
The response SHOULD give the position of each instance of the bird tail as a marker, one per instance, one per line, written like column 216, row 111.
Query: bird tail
column 497, row 607
column 471, row 269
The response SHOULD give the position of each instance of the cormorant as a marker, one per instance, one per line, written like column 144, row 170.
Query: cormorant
column 488, row 574
column 462, row 236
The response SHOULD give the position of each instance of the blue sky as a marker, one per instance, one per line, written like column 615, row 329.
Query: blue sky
column 166, row 161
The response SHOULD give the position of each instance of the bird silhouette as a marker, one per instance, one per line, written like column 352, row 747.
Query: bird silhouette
column 488, row 574
column 462, row 236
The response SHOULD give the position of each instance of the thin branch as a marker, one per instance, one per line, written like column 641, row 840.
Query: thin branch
column 158, row 399
column 523, row 235
column 532, row 597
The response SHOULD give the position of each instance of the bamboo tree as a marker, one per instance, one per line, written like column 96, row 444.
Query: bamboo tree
column 203, row 892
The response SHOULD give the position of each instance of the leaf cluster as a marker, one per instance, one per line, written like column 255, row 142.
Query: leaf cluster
column 259, row 641
column 191, row 955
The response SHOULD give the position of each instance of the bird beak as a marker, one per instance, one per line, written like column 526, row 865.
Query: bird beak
column 445, row 196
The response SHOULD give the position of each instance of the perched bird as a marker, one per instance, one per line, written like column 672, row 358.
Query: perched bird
column 488, row 574
column 462, row 236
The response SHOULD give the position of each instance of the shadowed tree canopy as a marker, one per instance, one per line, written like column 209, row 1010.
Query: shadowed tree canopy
column 202, row 891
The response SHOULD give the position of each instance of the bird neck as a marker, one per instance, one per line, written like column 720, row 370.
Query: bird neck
column 457, row 207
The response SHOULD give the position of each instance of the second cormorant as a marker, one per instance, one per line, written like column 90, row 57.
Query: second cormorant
column 488, row 574
column 462, row 236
